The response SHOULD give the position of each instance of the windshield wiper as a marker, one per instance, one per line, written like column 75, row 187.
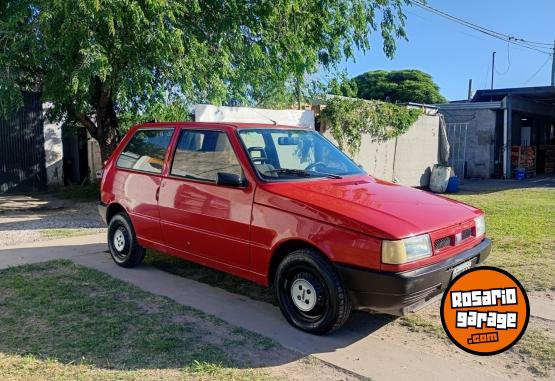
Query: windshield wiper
column 330, row 175
column 302, row 173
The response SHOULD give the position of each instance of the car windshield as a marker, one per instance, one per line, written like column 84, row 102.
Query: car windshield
column 279, row 154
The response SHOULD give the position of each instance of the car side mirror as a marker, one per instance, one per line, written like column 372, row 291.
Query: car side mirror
column 230, row 180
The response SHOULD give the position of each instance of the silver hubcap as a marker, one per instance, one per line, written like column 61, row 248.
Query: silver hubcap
column 119, row 240
column 303, row 294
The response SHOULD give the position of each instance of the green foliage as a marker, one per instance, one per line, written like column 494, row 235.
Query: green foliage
column 349, row 118
column 398, row 86
column 343, row 86
column 158, row 112
column 97, row 60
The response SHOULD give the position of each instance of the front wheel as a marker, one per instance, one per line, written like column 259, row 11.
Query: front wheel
column 124, row 248
column 310, row 293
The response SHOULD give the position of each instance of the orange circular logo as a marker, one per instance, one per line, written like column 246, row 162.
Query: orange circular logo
column 485, row 311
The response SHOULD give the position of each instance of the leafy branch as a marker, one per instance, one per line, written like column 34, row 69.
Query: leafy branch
column 348, row 119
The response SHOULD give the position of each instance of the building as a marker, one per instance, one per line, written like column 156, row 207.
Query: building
column 499, row 131
column 36, row 153
column 30, row 150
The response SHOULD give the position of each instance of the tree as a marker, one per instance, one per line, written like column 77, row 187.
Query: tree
column 398, row 86
column 341, row 85
column 98, row 60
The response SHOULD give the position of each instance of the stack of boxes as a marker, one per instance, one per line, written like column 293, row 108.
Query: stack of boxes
column 524, row 157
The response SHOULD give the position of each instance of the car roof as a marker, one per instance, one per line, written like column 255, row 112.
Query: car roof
column 234, row 125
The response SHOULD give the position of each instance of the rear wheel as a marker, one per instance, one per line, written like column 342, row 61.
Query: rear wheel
column 122, row 242
column 310, row 293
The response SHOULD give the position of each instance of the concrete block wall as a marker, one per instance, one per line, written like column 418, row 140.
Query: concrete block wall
column 211, row 113
column 417, row 152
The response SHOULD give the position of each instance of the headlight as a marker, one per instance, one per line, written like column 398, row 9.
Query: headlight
column 480, row 223
column 406, row 250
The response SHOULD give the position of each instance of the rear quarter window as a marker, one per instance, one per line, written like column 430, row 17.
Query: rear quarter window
column 146, row 151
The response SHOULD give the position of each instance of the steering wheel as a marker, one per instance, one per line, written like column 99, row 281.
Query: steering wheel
column 312, row 166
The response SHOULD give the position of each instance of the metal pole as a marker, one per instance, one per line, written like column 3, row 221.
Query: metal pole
column 506, row 171
column 553, row 66
column 470, row 89
column 492, row 68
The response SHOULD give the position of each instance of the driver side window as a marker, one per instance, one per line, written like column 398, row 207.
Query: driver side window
column 201, row 155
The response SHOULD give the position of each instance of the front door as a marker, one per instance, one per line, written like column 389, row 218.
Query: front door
column 199, row 217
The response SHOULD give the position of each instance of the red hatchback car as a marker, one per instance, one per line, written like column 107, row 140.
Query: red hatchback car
column 282, row 206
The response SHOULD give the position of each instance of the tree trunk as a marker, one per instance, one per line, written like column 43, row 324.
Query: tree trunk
column 105, row 128
column 105, row 133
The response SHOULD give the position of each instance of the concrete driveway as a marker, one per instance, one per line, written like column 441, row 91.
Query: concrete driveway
column 362, row 347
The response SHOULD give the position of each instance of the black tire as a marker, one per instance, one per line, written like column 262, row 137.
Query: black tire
column 303, row 273
column 126, row 252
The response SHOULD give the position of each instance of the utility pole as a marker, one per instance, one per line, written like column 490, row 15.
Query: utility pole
column 492, row 68
column 553, row 66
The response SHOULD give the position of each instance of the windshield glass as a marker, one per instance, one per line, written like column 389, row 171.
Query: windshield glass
column 291, row 154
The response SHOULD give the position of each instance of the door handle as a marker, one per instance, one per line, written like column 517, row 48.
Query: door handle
column 158, row 194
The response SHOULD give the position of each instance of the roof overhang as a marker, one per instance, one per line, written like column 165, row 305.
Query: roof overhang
column 471, row 106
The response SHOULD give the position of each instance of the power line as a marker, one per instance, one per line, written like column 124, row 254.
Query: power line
column 508, row 61
column 533, row 45
column 537, row 71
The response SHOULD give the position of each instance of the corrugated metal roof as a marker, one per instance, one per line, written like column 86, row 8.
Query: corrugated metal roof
column 470, row 106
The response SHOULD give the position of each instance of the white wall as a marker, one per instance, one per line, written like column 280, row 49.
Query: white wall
column 93, row 157
column 407, row 159
column 210, row 113
column 53, row 151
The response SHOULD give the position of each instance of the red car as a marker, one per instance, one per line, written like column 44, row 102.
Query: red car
column 282, row 206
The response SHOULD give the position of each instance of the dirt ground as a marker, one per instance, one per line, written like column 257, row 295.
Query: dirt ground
column 37, row 218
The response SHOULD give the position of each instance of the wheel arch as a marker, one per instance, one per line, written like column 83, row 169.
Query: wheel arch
column 113, row 209
column 283, row 249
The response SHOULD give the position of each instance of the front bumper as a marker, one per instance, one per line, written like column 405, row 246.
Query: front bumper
column 404, row 292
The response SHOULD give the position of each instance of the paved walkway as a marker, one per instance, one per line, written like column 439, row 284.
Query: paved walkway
column 352, row 348
column 474, row 186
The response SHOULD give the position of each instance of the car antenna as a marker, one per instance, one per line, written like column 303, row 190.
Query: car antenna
column 267, row 117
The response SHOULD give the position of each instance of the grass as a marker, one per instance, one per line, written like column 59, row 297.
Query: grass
column 85, row 192
column 29, row 367
column 63, row 233
column 521, row 223
column 417, row 323
column 62, row 321
column 539, row 351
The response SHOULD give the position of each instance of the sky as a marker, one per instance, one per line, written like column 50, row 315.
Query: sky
column 453, row 54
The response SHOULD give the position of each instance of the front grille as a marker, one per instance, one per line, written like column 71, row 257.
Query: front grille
column 466, row 234
column 442, row 243
column 456, row 239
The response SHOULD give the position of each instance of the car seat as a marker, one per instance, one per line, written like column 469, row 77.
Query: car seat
column 261, row 160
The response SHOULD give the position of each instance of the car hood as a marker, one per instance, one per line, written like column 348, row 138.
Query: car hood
column 375, row 207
